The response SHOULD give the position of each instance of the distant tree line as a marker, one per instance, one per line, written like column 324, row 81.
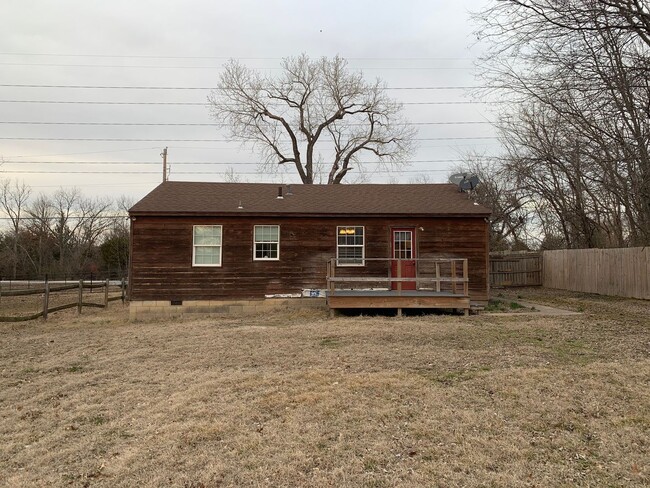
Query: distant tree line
column 572, row 79
column 63, row 235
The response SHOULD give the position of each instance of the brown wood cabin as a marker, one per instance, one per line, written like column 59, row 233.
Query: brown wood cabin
column 209, row 247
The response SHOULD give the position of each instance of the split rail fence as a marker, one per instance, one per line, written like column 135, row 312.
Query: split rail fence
column 48, row 291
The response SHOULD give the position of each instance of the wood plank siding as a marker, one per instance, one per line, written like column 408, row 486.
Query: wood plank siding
column 161, row 257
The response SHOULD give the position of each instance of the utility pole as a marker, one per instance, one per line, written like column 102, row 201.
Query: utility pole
column 164, row 156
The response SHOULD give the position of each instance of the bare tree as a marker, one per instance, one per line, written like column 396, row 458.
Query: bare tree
column 574, row 81
column 65, row 204
column 511, row 209
column 13, row 199
column 94, row 223
column 582, row 16
column 62, row 234
column 317, row 116
column 114, row 247
column 230, row 176
column 421, row 179
column 39, row 235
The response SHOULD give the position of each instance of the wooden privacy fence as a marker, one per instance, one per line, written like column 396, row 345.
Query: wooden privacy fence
column 515, row 269
column 47, row 291
column 618, row 272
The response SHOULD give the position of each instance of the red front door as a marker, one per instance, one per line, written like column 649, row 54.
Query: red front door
column 404, row 254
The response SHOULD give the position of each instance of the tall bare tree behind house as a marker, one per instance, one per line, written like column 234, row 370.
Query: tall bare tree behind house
column 317, row 116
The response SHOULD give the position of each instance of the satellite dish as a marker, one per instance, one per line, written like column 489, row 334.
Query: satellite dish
column 465, row 181
column 456, row 178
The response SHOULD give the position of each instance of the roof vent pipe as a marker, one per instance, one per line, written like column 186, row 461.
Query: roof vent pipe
column 289, row 192
column 280, row 197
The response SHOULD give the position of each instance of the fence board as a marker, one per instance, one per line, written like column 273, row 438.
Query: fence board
column 621, row 272
column 21, row 318
column 515, row 269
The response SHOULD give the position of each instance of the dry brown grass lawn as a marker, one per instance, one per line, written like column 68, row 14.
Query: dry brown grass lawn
column 301, row 400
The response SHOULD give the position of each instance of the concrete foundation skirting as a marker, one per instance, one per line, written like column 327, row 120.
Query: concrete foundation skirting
column 141, row 309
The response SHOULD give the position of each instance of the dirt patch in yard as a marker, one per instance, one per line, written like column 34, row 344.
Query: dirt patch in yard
column 301, row 400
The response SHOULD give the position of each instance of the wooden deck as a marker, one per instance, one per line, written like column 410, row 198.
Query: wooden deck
column 439, row 283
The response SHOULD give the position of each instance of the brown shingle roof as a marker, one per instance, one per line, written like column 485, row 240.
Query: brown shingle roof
column 189, row 198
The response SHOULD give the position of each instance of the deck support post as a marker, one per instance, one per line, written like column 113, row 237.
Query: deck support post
column 399, row 312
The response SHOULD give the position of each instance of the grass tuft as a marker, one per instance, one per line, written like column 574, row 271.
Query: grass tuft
column 330, row 342
column 75, row 368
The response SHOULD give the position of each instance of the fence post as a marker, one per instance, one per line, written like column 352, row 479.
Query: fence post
column 106, row 294
column 123, row 294
column 81, row 293
column 46, row 298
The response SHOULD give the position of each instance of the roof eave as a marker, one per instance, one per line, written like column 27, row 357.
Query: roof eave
column 305, row 214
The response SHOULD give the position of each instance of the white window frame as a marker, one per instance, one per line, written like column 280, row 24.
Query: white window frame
column 194, row 246
column 255, row 243
column 362, row 246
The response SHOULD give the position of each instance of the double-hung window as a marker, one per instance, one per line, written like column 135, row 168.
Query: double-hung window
column 266, row 245
column 350, row 246
column 206, row 245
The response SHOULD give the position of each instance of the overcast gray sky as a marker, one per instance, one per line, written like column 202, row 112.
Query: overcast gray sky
column 183, row 44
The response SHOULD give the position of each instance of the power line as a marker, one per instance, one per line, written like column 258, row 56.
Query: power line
column 196, row 140
column 130, row 183
column 220, row 68
column 132, row 87
column 76, row 55
column 220, row 163
column 193, row 172
column 174, row 124
column 156, row 148
column 93, row 102
column 204, row 104
column 419, row 146
column 86, row 152
column 73, row 217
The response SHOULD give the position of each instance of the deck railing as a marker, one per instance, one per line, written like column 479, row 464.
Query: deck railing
column 448, row 275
